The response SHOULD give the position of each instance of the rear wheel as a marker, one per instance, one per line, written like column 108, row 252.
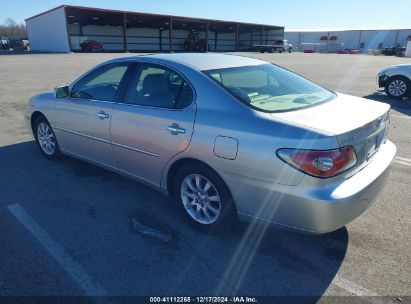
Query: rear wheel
column 205, row 199
column 45, row 138
column 398, row 87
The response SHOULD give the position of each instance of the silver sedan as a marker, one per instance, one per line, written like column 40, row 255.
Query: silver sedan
column 228, row 137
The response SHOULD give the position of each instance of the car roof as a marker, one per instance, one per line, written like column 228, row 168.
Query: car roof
column 203, row 61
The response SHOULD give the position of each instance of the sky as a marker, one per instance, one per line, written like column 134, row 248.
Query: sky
column 293, row 14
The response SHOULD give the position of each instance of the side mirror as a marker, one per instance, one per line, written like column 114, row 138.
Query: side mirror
column 62, row 92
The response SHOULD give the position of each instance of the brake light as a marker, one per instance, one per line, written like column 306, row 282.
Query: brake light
column 320, row 163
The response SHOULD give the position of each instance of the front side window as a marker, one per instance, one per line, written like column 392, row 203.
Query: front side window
column 270, row 88
column 159, row 87
column 101, row 84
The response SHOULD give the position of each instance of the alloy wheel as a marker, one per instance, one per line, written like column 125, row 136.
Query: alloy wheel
column 397, row 87
column 46, row 138
column 200, row 199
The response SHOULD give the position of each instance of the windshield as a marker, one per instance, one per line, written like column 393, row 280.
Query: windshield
column 270, row 88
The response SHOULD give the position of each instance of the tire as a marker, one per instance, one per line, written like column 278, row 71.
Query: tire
column 45, row 138
column 398, row 87
column 290, row 50
column 209, row 210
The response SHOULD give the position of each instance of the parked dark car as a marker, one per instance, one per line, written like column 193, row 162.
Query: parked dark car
column 91, row 46
column 4, row 43
column 19, row 44
column 393, row 51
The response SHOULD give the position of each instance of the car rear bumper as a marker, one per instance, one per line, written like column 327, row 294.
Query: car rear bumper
column 313, row 208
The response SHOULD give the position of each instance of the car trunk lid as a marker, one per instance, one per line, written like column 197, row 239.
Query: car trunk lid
column 354, row 121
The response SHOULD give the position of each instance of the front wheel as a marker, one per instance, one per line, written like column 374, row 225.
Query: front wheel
column 45, row 138
column 398, row 87
column 205, row 198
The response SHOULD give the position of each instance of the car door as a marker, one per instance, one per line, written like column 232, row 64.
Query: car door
column 82, row 121
column 154, row 122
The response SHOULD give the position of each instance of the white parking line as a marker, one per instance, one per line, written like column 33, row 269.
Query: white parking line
column 358, row 290
column 57, row 252
column 352, row 287
column 403, row 161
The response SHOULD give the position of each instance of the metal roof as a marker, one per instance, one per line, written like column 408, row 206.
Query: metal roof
column 101, row 10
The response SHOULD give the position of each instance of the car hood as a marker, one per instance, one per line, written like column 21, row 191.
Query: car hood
column 400, row 65
column 343, row 114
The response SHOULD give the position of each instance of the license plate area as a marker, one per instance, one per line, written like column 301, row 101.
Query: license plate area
column 372, row 146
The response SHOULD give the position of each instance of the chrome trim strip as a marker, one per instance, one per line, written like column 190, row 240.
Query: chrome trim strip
column 106, row 141
column 134, row 149
column 82, row 135
column 253, row 217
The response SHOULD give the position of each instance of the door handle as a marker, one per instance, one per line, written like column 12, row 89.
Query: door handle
column 102, row 115
column 175, row 129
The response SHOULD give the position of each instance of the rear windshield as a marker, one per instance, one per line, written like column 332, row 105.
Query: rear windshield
column 270, row 88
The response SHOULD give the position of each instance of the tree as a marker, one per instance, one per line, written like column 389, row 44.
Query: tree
column 11, row 29
column 10, row 23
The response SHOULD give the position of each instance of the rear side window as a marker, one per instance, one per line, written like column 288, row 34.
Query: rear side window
column 100, row 84
column 160, row 87
column 270, row 88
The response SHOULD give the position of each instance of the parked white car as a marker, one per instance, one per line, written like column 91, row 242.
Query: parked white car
column 396, row 80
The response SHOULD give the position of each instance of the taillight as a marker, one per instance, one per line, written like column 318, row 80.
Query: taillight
column 387, row 121
column 320, row 163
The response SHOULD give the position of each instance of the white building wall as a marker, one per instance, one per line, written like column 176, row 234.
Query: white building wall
column 402, row 38
column 351, row 39
column 311, row 41
column 292, row 37
column 48, row 32
column 346, row 40
column 376, row 39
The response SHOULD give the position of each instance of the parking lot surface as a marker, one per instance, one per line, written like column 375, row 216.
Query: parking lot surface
column 70, row 228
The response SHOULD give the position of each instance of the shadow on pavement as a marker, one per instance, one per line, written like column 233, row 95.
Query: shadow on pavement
column 89, row 212
column 403, row 106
